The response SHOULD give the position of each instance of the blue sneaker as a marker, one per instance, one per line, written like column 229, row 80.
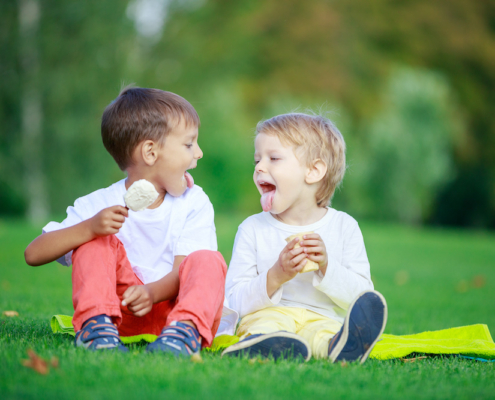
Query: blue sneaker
column 178, row 339
column 99, row 333
column 363, row 326
column 278, row 345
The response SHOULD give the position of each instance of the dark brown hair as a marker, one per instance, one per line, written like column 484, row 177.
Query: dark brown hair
column 139, row 114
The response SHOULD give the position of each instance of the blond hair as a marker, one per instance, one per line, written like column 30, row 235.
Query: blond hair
column 318, row 138
column 139, row 114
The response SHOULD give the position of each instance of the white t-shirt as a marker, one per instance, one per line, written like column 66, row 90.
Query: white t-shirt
column 152, row 237
column 258, row 244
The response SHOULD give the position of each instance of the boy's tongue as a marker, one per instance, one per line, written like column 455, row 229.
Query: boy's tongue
column 189, row 180
column 266, row 200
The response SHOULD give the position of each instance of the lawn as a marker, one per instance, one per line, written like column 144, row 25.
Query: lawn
column 431, row 278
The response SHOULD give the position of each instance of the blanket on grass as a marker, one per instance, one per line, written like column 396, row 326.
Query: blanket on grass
column 472, row 341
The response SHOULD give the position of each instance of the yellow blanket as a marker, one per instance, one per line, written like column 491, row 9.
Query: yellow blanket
column 471, row 340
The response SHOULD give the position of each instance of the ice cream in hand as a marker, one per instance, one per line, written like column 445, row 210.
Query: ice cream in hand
column 310, row 265
column 140, row 195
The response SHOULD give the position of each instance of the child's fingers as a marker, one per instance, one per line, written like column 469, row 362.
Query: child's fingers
column 285, row 253
column 291, row 244
column 299, row 267
column 121, row 210
column 308, row 242
column 142, row 312
column 130, row 295
column 118, row 218
column 312, row 236
column 118, row 210
column 314, row 250
column 316, row 258
column 116, row 225
column 134, row 308
column 295, row 252
column 294, row 262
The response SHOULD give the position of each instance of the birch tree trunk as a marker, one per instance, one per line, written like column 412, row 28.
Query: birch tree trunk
column 31, row 111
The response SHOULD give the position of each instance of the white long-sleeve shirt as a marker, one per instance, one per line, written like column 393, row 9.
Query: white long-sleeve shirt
column 258, row 243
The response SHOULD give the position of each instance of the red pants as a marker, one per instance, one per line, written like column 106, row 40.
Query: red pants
column 101, row 273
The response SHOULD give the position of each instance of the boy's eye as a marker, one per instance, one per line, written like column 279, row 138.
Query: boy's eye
column 189, row 145
column 255, row 162
column 274, row 159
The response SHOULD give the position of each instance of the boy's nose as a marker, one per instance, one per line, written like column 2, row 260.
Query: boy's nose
column 199, row 153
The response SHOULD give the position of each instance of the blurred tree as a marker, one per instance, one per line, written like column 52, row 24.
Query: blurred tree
column 234, row 61
column 82, row 50
column 345, row 51
column 31, row 111
column 405, row 155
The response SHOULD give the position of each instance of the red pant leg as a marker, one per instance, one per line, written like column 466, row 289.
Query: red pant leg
column 201, row 292
column 101, row 273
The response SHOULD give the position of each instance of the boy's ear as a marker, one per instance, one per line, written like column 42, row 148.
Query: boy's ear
column 149, row 152
column 316, row 171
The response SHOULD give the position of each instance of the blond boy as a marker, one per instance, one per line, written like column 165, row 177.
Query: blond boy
column 155, row 271
column 332, row 312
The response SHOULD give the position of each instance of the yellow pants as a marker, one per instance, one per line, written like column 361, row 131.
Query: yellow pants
column 315, row 328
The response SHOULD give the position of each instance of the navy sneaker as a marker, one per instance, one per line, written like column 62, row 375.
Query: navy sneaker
column 178, row 339
column 99, row 333
column 363, row 326
column 278, row 345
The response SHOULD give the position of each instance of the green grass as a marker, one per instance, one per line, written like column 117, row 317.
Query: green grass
column 432, row 279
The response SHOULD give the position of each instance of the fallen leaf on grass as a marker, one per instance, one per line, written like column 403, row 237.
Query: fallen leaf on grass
column 54, row 362
column 411, row 360
column 479, row 281
column 462, row 286
column 196, row 358
column 11, row 313
column 36, row 362
column 401, row 278
column 344, row 364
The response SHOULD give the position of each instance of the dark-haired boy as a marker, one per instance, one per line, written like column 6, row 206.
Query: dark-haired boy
column 156, row 271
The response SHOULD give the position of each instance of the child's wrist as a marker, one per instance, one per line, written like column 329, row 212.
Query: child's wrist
column 273, row 277
column 88, row 233
column 151, row 293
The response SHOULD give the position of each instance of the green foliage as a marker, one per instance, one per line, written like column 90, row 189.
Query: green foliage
column 237, row 62
column 405, row 156
column 432, row 279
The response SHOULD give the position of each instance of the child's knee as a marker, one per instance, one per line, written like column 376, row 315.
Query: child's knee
column 96, row 246
column 209, row 259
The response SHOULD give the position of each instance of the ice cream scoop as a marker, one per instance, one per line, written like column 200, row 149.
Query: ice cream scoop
column 140, row 195
column 310, row 265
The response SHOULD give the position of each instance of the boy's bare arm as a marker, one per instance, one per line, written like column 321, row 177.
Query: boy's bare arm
column 140, row 299
column 290, row 262
column 50, row 246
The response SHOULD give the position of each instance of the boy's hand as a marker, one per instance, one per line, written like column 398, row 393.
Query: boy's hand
column 138, row 299
column 316, row 250
column 290, row 262
column 108, row 221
